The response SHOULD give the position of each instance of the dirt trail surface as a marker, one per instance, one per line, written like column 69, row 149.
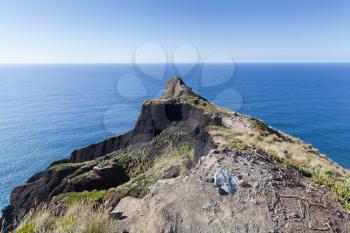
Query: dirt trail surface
column 268, row 198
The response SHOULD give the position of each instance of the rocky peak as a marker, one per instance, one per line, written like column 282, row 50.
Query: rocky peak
column 176, row 88
column 177, row 159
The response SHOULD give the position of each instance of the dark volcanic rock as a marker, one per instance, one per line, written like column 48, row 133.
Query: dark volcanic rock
column 102, row 178
column 25, row 197
column 174, row 115
column 182, row 133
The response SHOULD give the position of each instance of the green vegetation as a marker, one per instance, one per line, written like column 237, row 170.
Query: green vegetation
column 261, row 125
column 139, row 185
column 26, row 228
column 195, row 101
column 340, row 191
column 151, row 171
column 230, row 139
column 332, row 172
column 81, row 176
column 296, row 166
column 81, row 213
column 174, row 157
column 284, row 146
column 87, row 196
column 121, row 160
column 206, row 106
column 65, row 165
column 82, row 217
column 290, row 152
column 143, row 158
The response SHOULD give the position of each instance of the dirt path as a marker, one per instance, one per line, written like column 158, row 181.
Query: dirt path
column 269, row 198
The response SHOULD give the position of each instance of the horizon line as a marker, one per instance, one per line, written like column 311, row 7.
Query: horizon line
column 170, row 63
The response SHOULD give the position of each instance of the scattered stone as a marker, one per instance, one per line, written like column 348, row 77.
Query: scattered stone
column 294, row 215
column 214, row 151
column 252, row 160
column 215, row 116
column 222, row 191
column 210, row 180
column 269, row 207
column 252, row 200
column 246, row 174
column 255, row 185
column 116, row 215
column 226, row 150
column 244, row 184
column 225, row 181
column 206, row 207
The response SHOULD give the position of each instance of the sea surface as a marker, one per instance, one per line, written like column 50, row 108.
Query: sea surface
column 46, row 111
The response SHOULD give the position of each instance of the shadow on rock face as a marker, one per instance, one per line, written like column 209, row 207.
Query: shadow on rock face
column 102, row 178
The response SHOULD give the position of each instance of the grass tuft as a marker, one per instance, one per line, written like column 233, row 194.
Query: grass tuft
column 174, row 157
column 292, row 153
column 65, row 165
column 80, row 217
column 71, row 198
column 261, row 125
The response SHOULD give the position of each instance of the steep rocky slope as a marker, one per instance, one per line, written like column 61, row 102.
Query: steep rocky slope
column 191, row 166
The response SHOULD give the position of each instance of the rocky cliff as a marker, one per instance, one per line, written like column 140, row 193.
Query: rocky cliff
column 191, row 166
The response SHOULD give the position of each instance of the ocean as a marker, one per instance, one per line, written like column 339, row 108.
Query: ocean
column 46, row 111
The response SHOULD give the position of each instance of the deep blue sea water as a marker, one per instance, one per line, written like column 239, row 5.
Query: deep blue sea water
column 46, row 111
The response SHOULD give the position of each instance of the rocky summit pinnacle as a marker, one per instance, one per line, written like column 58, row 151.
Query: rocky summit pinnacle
column 187, row 166
column 176, row 88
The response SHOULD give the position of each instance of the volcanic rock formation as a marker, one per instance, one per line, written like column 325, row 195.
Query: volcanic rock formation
column 191, row 166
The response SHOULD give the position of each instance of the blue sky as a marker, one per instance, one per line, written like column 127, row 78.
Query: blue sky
column 79, row 31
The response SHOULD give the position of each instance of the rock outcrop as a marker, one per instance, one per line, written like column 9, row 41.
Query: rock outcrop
column 190, row 166
column 269, row 198
column 177, row 88
column 167, row 117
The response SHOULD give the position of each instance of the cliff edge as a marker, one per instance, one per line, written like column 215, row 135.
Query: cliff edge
column 191, row 166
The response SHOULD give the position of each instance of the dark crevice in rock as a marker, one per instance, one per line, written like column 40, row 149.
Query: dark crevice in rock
column 103, row 178
column 173, row 112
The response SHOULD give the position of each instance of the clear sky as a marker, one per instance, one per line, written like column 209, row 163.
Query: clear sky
column 79, row 31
